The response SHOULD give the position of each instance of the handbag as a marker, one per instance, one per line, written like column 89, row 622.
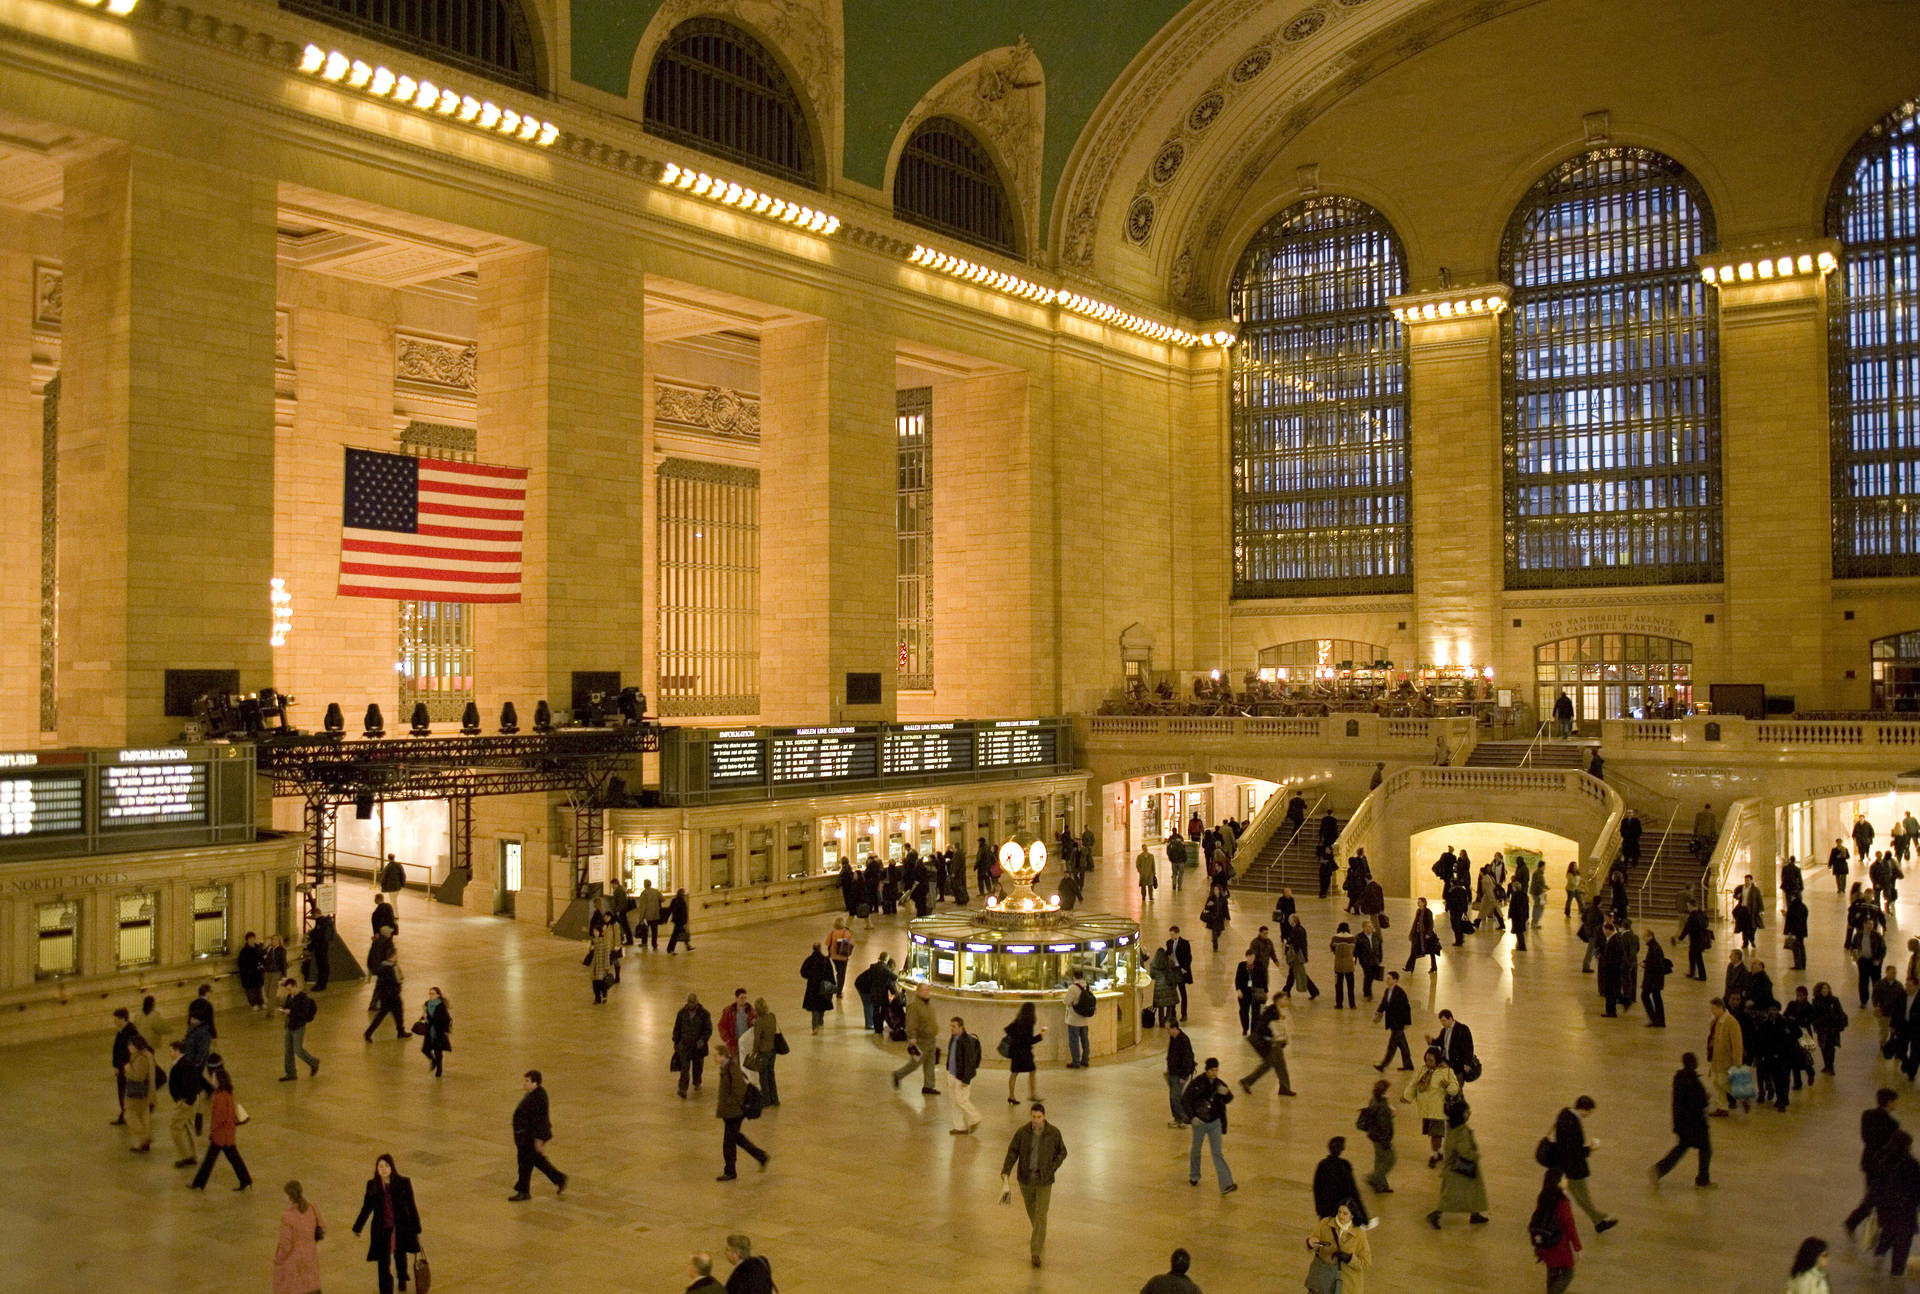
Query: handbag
column 1006, row 1045
column 422, row 1274
column 752, row 1103
column 319, row 1233
column 420, row 1027
column 1323, row 1277
column 1467, row 1167
column 675, row 1065
column 780, row 1047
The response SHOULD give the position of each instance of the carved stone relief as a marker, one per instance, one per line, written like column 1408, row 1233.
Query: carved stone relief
column 1001, row 96
column 710, row 409
column 47, row 304
column 433, row 361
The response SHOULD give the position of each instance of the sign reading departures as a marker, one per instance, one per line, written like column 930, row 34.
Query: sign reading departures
column 784, row 760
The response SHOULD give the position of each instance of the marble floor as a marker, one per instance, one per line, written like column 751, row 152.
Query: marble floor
column 866, row 1191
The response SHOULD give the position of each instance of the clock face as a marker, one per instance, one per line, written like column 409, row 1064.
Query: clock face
column 1012, row 858
column 1037, row 857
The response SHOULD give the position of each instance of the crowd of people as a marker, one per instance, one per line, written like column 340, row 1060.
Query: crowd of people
column 1761, row 1045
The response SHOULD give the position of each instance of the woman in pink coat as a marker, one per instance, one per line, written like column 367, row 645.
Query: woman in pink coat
column 296, row 1260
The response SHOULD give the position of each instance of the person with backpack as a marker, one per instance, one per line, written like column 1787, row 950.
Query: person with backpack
column 1552, row 1233
column 1376, row 1120
column 299, row 1009
column 1690, row 1127
column 1205, row 1102
column 1569, row 1150
column 1081, row 1008
column 738, row 1101
column 1269, row 1039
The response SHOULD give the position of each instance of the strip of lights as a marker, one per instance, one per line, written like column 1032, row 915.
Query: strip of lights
column 729, row 193
column 1786, row 266
column 424, row 96
column 999, row 280
column 1139, row 325
column 1458, row 308
column 118, row 8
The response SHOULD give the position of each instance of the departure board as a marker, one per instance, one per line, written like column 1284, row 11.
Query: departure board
column 737, row 759
column 43, row 804
column 927, row 748
column 152, row 795
column 1009, row 745
column 825, row 755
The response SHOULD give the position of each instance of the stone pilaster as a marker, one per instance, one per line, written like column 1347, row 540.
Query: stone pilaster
column 166, row 436
column 1774, row 457
column 20, row 442
column 829, row 560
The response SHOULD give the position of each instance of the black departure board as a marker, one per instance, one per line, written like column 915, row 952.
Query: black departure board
column 43, row 803
column 826, row 755
column 737, row 759
column 153, row 794
column 1010, row 745
column 927, row 748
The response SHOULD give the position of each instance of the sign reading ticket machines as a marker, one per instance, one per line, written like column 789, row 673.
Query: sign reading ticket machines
column 60, row 802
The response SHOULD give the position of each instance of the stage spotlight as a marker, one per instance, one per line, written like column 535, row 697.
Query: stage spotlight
column 375, row 725
column 470, row 720
column 542, row 717
column 335, row 723
column 509, row 720
column 420, row 723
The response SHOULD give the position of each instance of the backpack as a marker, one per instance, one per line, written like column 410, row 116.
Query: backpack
column 302, row 1011
column 1543, row 1228
column 752, row 1103
column 1543, row 1153
column 843, row 947
column 1083, row 1003
column 1196, row 1101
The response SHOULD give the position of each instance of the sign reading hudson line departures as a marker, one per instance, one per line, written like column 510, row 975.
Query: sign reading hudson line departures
column 740, row 759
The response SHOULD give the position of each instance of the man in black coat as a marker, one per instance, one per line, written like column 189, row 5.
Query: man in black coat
column 123, row 1039
column 1333, row 1184
column 1396, row 1013
column 1571, row 1150
column 1689, row 1122
column 1630, row 829
column 1699, row 937
column 1877, row 1127
column 1182, row 954
column 752, row 1273
column 1457, row 900
column 692, row 1032
column 532, row 1130
column 1455, row 1042
column 385, row 964
column 1180, row 1067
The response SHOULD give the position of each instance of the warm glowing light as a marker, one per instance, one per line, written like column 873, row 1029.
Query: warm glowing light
column 121, row 8
column 336, row 66
column 358, row 75
column 312, row 59
column 382, row 82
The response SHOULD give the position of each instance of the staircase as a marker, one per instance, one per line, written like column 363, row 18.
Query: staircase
column 1530, row 754
column 1667, row 879
column 1286, row 860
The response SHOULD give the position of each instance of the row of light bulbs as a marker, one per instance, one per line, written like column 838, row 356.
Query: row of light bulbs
column 423, row 95
column 1462, row 308
column 999, row 280
column 1770, row 267
column 729, row 193
column 1013, row 285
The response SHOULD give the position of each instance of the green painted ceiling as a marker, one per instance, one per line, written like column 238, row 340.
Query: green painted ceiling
column 897, row 51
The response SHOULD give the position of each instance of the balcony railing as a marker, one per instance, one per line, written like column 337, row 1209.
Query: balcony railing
column 1731, row 733
column 1362, row 733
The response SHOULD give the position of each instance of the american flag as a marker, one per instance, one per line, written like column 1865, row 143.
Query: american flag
column 431, row 529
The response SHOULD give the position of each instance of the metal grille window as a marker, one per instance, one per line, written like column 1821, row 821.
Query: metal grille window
column 57, row 943
column 947, row 182
column 709, row 588
column 490, row 37
column 210, row 904
column 1874, row 210
column 434, row 659
column 133, row 917
column 715, row 88
column 1611, row 378
column 1320, row 406
column 913, row 529
column 1306, row 657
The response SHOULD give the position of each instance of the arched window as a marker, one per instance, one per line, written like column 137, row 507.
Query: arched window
column 489, row 37
column 1320, row 406
column 1874, row 210
column 1612, row 382
column 715, row 88
column 946, row 182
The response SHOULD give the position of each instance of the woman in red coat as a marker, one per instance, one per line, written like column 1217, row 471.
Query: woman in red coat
column 222, row 1123
column 1555, row 1241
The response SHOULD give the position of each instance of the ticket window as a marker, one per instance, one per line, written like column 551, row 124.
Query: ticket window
column 283, row 905
column 720, row 860
column 862, row 849
column 831, row 847
column 957, row 837
column 210, row 924
column 760, row 856
column 57, row 950
column 927, row 837
column 1063, row 811
column 134, row 943
column 896, row 844
column 798, row 843
column 1015, row 817
column 645, row 861
column 1042, row 827
column 985, row 820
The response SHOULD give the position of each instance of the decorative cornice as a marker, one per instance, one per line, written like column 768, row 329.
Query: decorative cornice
column 1320, row 607
column 440, row 435
column 436, row 361
column 693, row 469
column 714, row 410
column 1712, row 594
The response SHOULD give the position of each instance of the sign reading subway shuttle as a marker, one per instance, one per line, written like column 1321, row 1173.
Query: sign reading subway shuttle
column 55, row 802
column 732, row 763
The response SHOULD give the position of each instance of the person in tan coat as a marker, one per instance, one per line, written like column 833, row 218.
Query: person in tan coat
column 1725, row 1049
column 1337, row 1241
column 923, row 1040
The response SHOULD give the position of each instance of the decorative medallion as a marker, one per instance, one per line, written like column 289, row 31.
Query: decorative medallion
column 1207, row 111
column 714, row 410
column 1167, row 161
column 1252, row 64
column 1140, row 220
column 1305, row 25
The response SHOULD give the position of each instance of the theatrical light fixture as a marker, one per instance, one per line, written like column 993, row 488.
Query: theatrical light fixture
column 470, row 720
column 1139, row 325
column 420, row 723
column 542, row 717
column 1426, row 311
column 999, row 280
column 1767, row 263
column 334, row 722
column 374, row 726
column 509, row 720
column 738, row 196
column 422, row 96
column 363, row 805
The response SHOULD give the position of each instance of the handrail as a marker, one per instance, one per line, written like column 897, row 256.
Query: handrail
column 1743, row 816
column 1361, row 822
column 1258, row 831
column 1659, row 852
column 1527, row 757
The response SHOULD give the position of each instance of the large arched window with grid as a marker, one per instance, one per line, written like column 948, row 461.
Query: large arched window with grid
column 1874, row 210
column 490, row 37
column 1320, row 406
column 717, row 89
column 1611, row 378
column 947, row 182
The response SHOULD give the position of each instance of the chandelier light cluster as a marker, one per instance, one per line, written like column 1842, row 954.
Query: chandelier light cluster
column 1491, row 303
column 738, row 196
column 1746, row 267
column 424, row 96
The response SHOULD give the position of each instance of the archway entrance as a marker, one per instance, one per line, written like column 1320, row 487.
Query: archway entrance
column 1615, row 676
column 1482, row 840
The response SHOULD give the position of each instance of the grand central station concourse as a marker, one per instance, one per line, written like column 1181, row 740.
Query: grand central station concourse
column 716, row 580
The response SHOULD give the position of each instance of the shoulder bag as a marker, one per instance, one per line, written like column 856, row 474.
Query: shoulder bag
column 1323, row 1277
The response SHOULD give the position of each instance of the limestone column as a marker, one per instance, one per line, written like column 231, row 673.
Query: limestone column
column 560, row 393
column 20, row 446
column 1459, row 571
column 827, row 486
column 166, row 436
column 1774, row 455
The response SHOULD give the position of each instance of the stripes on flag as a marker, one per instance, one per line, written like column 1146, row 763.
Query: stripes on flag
column 431, row 529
